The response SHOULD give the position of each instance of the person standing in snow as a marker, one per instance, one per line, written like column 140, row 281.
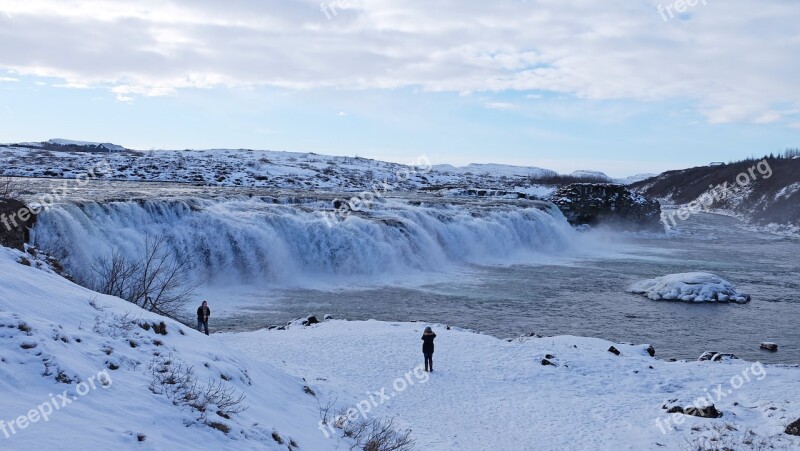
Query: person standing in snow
column 427, row 348
column 203, row 312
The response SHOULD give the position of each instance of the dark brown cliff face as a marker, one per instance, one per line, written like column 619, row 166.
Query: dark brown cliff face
column 607, row 204
column 16, row 220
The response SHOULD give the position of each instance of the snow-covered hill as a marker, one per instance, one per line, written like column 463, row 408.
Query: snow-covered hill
column 61, row 158
column 78, row 371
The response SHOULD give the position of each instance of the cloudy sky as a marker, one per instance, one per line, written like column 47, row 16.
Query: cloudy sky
column 622, row 86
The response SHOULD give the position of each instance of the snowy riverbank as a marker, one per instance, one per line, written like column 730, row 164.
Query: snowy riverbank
column 487, row 393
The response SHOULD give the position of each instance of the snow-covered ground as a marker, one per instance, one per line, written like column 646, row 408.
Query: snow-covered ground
column 78, row 370
column 76, row 373
column 60, row 158
column 487, row 393
column 689, row 287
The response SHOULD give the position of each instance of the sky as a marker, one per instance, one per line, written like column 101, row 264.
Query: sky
column 621, row 86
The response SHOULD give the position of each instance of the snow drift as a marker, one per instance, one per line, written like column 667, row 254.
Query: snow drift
column 689, row 287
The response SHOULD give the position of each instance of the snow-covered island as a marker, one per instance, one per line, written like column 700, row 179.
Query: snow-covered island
column 81, row 369
column 690, row 287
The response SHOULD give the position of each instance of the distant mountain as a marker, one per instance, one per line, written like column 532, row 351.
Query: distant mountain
column 93, row 145
column 496, row 169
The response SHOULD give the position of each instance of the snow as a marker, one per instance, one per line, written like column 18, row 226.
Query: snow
column 67, row 337
column 495, row 169
column 634, row 178
column 690, row 287
column 487, row 393
column 592, row 174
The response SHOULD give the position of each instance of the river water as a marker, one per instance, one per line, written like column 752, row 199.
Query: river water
column 586, row 295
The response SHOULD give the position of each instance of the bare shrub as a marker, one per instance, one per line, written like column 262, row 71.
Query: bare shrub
column 178, row 382
column 158, row 280
column 724, row 437
column 10, row 187
column 378, row 435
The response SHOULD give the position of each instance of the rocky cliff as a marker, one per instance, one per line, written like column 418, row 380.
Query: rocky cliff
column 607, row 204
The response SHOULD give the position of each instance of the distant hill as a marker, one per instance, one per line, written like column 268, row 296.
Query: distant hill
column 761, row 192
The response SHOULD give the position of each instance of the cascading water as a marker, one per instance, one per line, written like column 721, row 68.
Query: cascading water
column 251, row 240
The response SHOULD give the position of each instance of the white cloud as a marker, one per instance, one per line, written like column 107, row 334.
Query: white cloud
column 614, row 49
column 8, row 79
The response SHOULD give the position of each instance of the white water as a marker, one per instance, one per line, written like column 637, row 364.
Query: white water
column 253, row 241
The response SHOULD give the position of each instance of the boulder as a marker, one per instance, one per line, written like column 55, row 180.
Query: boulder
column 311, row 320
column 614, row 350
column 769, row 346
column 702, row 412
column 793, row 428
column 651, row 351
column 714, row 356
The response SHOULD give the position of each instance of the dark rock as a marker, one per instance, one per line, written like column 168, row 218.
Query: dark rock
column 328, row 317
column 607, row 203
column 546, row 362
column 549, row 356
column 769, row 346
column 16, row 221
column 614, row 350
column 651, row 350
column 702, row 412
column 793, row 428
column 311, row 320
column 716, row 356
column 675, row 409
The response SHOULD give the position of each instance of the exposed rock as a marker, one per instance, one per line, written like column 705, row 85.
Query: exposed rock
column 607, row 203
column 546, row 362
column 16, row 220
column 311, row 320
column 328, row 317
column 614, row 350
column 793, row 428
column 651, row 350
column 716, row 356
column 703, row 412
column 769, row 346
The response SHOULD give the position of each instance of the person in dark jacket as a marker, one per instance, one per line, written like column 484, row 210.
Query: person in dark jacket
column 203, row 312
column 427, row 348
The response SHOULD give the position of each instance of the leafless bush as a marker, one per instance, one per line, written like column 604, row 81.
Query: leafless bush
column 158, row 280
column 114, row 325
column 376, row 435
column 724, row 437
column 178, row 382
column 10, row 187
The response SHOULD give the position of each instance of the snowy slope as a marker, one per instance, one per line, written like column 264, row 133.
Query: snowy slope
column 490, row 394
column 54, row 336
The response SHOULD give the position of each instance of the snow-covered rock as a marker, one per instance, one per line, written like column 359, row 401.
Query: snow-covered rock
column 689, row 287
